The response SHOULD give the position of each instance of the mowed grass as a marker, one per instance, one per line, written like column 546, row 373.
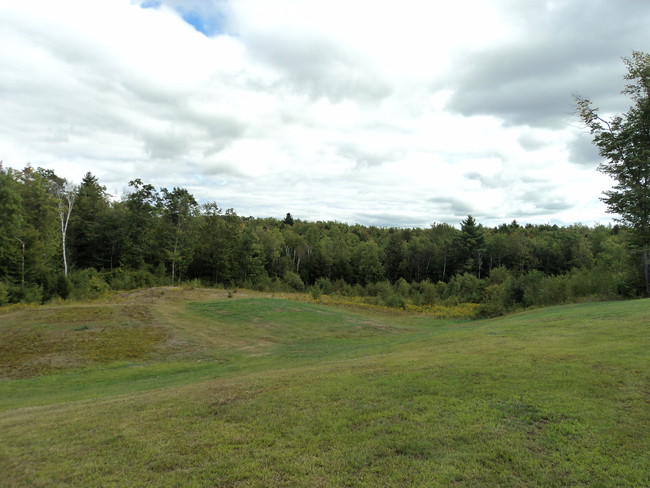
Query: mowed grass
column 259, row 391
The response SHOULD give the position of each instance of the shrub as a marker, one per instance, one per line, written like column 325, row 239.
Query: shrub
column 466, row 288
column 429, row 292
column 130, row 279
column 315, row 293
column 324, row 285
column 378, row 289
column 496, row 301
column 342, row 288
column 294, row 281
column 63, row 286
column 29, row 293
column 553, row 290
column 264, row 283
column 4, row 293
column 402, row 287
column 87, row 283
column 394, row 300
column 192, row 284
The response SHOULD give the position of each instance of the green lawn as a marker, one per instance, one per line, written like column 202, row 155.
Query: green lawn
column 200, row 390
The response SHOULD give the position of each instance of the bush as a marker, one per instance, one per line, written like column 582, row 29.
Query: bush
column 130, row 279
column 466, row 288
column 402, row 287
column 379, row 289
column 553, row 290
column 394, row 300
column 87, row 284
column 29, row 293
column 264, row 283
column 324, row 285
column 499, row 275
column 342, row 288
column 63, row 286
column 294, row 281
column 429, row 292
column 496, row 301
column 4, row 293
column 192, row 284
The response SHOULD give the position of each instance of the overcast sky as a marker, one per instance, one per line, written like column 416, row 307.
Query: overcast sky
column 390, row 113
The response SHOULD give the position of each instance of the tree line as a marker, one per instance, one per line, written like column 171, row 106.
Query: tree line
column 58, row 241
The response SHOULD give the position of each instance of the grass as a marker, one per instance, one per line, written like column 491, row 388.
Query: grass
column 261, row 391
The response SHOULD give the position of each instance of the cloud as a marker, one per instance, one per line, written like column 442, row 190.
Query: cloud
column 562, row 48
column 583, row 152
column 365, row 156
column 453, row 206
column 206, row 16
column 371, row 112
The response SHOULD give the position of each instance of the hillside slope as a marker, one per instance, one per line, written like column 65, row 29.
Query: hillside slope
column 172, row 388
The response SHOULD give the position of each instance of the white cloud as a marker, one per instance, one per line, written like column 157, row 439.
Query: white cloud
column 328, row 110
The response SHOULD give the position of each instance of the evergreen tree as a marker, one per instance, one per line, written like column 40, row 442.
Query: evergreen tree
column 470, row 246
column 12, row 245
column 90, row 227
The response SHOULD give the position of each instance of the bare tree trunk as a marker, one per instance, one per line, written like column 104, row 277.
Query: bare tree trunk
column 66, row 203
column 444, row 266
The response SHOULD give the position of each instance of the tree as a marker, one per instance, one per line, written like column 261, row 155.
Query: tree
column 624, row 142
column 179, row 209
column 66, row 194
column 470, row 246
column 39, row 227
column 89, row 226
column 142, row 211
column 10, row 223
column 288, row 220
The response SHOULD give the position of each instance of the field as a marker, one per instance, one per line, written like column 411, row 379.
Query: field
column 184, row 388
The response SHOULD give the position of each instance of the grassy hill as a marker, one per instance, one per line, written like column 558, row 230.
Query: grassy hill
column 168, row 387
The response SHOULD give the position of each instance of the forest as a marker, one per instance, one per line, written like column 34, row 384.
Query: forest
column 61, row 241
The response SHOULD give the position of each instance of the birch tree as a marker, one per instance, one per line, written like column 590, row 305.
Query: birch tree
column 66, row 194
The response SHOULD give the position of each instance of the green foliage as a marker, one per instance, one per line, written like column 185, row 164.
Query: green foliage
column 294, row 281
column 315, row 293
column 466, row 288
column 94, row 231
column 130, row 279
column 87, row 284
column 425, row 293
column 470, row 247
column 29, row 293
column 4, row 293
column 624, row 143
column 324, row 284
column 160, row 237
column 64, row 286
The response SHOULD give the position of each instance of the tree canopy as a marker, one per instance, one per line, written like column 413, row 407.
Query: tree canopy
column 160, row 237
column 624, row 143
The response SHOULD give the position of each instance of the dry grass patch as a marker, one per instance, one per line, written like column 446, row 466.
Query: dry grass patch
column 46, row 340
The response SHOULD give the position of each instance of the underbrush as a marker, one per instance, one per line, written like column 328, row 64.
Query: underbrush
column 459, row 311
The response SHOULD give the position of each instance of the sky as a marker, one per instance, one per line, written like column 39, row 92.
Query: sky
column 377, row 112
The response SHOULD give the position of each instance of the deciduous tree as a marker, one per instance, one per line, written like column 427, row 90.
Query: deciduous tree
column 624, row 142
